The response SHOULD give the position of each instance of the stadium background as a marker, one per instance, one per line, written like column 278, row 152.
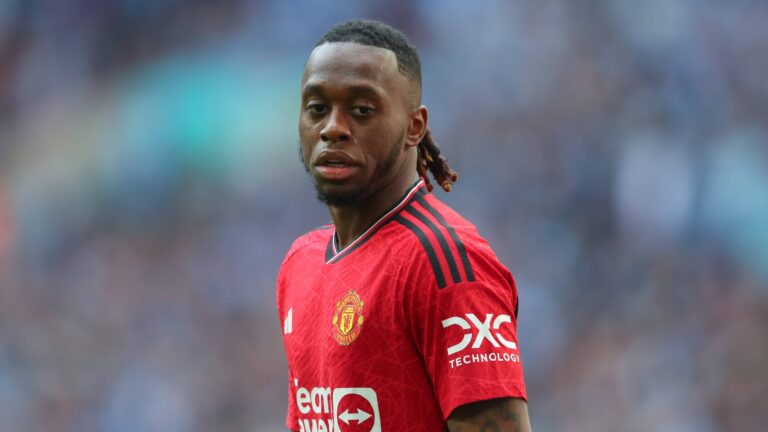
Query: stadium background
column 613, row 152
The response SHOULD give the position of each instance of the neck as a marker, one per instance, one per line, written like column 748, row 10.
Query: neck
column 352, row 222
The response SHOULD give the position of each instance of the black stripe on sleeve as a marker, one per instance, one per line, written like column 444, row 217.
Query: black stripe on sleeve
column 440, row 239
column 427, row 248
column 459, row 244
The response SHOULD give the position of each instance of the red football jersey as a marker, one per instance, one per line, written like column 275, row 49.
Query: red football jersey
column 411, row 320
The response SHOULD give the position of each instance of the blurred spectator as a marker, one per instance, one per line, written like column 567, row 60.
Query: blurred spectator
column 614, row 153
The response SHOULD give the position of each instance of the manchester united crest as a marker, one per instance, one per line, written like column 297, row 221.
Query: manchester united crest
column 348, row 319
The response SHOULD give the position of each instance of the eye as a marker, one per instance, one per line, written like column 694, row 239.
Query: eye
column 362, row 111
column 316, row 108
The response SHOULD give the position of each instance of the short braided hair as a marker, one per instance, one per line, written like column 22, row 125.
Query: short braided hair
column 380, row 35
column 377, row 34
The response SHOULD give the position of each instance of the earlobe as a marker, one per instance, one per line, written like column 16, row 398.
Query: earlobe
column 418, row 126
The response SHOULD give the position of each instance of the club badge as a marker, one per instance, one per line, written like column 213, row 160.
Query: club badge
column 348, row 319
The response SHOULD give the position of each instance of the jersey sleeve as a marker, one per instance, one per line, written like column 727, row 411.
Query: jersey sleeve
column 467, row 336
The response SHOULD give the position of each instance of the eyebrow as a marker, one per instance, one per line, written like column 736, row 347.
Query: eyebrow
column 355, row 90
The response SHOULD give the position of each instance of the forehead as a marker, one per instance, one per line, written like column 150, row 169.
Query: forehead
column 346, row 63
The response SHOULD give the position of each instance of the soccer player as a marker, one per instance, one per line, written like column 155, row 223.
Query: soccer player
column 398, row 316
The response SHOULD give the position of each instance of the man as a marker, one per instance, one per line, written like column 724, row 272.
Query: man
column 398, row 316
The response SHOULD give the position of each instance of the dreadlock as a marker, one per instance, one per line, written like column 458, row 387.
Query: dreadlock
column 431, row 159
column 378, row 34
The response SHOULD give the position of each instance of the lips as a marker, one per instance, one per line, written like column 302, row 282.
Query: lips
column 335, row 165
column 334, row 157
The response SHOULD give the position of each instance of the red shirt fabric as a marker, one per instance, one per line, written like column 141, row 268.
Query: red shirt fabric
column 410, row 321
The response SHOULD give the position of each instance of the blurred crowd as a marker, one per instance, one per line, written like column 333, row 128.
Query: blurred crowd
column 614, row 153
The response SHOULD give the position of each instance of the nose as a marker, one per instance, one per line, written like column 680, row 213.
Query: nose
column 337, row 127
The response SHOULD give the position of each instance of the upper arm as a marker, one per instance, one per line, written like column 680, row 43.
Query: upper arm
column 494, row 415
column 466, row 333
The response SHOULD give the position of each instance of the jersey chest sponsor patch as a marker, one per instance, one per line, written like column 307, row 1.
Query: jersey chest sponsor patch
column 327, row 409
column 348, row 318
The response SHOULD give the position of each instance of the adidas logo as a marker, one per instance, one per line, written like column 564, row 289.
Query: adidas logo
column 288, row 322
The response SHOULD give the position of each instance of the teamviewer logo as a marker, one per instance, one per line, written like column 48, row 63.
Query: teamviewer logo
column 356, row 407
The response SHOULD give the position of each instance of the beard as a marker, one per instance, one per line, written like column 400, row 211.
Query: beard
column 358, row 196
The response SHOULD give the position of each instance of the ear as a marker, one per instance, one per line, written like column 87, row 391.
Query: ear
column 417, row 126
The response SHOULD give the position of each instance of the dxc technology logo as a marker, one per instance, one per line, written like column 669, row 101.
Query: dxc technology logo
column 489, row 330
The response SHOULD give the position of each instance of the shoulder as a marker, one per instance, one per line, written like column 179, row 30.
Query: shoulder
column 317, row 238
column 451, row 248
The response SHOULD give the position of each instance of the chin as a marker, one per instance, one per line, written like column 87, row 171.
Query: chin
column 341, row 198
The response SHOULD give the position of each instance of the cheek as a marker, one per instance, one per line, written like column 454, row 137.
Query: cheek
column 304, row 152
column 306, row 139
column 304, row 130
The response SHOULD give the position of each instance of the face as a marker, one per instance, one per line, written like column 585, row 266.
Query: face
column 357, row 126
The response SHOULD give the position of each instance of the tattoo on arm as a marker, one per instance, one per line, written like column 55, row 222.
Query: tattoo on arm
column 495, row 415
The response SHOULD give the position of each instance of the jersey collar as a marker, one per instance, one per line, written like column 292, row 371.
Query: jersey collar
column 334, row 254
